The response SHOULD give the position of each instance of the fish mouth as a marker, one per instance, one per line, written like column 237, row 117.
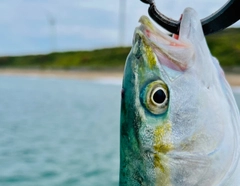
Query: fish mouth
column 174, row 52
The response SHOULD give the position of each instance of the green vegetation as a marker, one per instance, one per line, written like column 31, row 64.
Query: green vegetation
column 112, row 58
column 224, row 45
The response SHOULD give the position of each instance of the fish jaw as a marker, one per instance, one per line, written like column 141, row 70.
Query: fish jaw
column 174, row 53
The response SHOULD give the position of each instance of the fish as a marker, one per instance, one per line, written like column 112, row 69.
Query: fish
column 179, row 122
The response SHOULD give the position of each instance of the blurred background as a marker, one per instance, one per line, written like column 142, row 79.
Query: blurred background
column 61, row 64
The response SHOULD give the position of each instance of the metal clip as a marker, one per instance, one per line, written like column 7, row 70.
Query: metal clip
column 221, row 19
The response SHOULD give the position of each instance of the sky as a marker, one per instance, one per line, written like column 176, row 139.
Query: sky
column 44, row 26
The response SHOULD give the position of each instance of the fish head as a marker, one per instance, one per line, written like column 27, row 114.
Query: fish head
column 176, row 123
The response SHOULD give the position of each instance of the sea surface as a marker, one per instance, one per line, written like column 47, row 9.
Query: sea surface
column 60, row 132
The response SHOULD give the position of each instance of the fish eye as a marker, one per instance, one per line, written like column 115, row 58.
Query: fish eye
column 155, row 97
column 158, row 96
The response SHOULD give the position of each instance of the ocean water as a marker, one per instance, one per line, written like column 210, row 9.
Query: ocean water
column 60, row 132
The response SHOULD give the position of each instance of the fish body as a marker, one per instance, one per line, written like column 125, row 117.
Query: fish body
column 179, row 120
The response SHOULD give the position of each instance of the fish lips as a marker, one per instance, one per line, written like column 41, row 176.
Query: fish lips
column 174, row 53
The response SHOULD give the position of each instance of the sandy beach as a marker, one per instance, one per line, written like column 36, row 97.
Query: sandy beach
column 62, row 73
column 233, row 78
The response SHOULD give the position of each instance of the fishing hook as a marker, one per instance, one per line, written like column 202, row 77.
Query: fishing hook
column 221, row 19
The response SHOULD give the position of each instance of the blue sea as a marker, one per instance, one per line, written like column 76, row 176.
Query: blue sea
column 60, row 132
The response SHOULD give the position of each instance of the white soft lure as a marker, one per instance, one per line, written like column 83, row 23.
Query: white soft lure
column 180, row 123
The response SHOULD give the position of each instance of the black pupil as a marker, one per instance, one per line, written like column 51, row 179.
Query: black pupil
column 159, row 96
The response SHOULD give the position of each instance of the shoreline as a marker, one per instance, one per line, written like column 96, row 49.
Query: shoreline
column 69, row 74
column 232, row 78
